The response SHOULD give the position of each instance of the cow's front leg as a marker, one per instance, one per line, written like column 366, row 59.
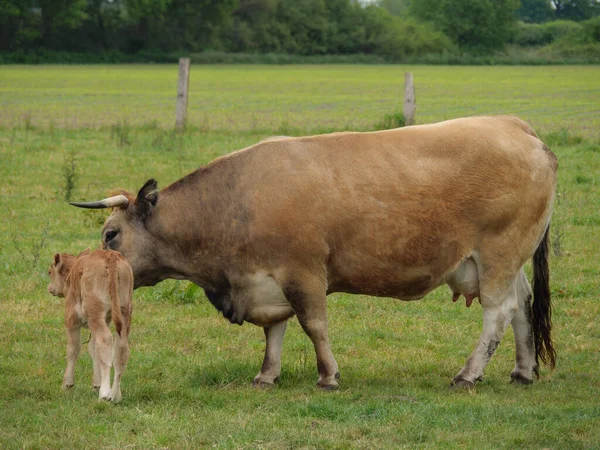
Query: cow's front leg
column 311, row 309
column 271, row 367
column 498, row 312
column 73, row 347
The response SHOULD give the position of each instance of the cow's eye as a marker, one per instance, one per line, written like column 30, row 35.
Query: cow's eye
column 110, row 235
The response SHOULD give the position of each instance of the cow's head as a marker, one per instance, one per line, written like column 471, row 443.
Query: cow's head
column 126, row 230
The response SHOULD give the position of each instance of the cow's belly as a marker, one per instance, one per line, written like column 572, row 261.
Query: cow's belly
column 388, row 278
column 264, row 300
column 400, row 287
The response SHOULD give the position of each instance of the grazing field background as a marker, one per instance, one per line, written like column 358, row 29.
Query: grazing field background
column 80, row 131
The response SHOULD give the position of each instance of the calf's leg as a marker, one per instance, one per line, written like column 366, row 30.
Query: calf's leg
column 73, row 347
column 96, row 373
column 104, row 340
column 120, row 358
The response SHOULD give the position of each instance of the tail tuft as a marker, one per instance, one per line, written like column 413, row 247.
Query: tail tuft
column 542, row 305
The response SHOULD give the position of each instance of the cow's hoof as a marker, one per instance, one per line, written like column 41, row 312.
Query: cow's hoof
column 461, row 383
column 68, row 386
column 337, row 375
column 518, row 378
column 328, row 387
column 96, row 388
column 264, row 383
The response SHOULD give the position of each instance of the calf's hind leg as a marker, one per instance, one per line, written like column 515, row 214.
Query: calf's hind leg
column 73, row 347
column 96, row 372
column 120, row 358
column 104, row 340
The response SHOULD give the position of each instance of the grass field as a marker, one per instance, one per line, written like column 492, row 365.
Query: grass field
column 188, row 381
column 252, row 98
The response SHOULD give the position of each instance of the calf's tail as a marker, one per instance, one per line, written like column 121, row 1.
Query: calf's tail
column 113, row 289
column 542, row 307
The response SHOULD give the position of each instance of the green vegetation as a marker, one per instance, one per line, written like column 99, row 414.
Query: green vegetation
column 303, row 99
column 428, row 31
column 188, row 381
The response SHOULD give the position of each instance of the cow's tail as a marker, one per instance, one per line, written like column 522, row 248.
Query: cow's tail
column 113, row 292
column 541, row 307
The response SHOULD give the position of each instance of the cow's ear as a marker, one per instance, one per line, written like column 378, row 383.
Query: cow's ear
column 85, row 252
column 146, row 199
column 57, row 259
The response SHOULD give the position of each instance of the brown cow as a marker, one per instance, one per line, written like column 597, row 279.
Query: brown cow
column 97, row 287
column 270, row 230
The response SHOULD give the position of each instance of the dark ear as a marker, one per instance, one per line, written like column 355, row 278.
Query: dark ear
column 85, row 252
column 57, row 259
column 146, row 198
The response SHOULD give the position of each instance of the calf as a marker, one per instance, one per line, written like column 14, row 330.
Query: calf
column 97, row 287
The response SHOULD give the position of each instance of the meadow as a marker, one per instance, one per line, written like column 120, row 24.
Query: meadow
column 78, row 131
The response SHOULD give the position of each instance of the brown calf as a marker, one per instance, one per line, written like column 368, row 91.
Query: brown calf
column 97, row 287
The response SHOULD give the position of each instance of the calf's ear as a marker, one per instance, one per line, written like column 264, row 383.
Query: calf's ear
column 57, row 258
column 85, row 252
column 146, row 199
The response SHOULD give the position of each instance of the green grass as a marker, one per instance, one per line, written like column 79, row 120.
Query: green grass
column 307, row 98
column 188, row 381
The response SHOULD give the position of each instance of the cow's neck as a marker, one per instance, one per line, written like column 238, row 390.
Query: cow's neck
column 202, row 225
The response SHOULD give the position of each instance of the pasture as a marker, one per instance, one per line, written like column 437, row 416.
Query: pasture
column 82, row 131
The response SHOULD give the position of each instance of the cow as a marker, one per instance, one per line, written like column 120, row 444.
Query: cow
column 97, row 287
column 269, row 231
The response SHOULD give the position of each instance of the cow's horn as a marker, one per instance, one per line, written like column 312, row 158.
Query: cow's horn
column 111, row 202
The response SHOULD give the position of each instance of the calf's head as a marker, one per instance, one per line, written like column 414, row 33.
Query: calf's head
column 59, row 270
column 126, row 230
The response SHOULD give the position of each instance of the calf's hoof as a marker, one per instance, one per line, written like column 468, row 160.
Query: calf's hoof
column 67, row 386
column 518, row 378
column 96, row 388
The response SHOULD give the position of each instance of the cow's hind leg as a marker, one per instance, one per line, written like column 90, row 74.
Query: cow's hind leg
column 104, row 340
column 500, row 302
column 309, row 304
column 526, row 364
column 271, row 367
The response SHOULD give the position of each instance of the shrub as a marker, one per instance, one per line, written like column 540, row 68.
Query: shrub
column 537, row 35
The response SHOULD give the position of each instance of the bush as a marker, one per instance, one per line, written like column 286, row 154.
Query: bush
column 537, row 35
column 582, row 42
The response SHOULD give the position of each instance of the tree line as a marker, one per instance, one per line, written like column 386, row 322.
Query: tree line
column 394, row 29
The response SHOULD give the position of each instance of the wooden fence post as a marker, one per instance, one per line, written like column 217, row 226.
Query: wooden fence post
column 410, row 102
column 182, row 93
